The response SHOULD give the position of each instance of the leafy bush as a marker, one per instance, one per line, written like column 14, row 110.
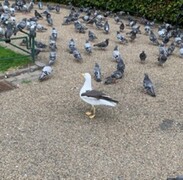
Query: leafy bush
column 161, row 10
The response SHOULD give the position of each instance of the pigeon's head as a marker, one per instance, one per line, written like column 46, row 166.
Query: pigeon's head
column 146, row 75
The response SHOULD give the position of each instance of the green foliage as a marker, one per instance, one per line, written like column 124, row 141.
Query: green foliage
column 11, row 59
column 161, row 10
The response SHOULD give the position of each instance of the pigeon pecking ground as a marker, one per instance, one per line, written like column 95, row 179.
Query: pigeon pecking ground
column 44, row 133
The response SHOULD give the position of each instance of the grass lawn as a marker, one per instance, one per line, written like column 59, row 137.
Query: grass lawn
column 11, row 59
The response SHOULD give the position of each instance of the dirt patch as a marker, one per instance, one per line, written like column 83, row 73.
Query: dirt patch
column 6, row 86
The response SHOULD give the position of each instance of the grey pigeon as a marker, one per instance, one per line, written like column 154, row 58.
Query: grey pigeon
column 8, row 33
column 148, row 86
column 32, row 31
column 77, row 55
column 102, row 44
column 52, row 57
column 117, row 74
column 121, row 38
column 91, row 36
column 40, row 28
column 88, row 47
column 99, row 24
column 181, row 50
column 72, row 45
column 40, row 5
column 106, row 27
column 79, row 27
column 120, row 65
column 153, row 38
column 97, row 72
column 49, row 19
column 180, row 177
column 142, row 56
column 171, row 49
column 40, row 45
column 57, row 8
column 54, row 33
column 37, row 15
column 162, row 58
column 116, row 54
column 121, row 27
column 109, row 80
column 132, row 35
column 46, row 73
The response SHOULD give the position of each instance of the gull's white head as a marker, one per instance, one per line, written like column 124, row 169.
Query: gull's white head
column 87, row 76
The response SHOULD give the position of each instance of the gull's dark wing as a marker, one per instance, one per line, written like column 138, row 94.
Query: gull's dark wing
column 98, row 95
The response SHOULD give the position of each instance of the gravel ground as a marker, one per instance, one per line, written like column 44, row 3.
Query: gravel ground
column 45, row 134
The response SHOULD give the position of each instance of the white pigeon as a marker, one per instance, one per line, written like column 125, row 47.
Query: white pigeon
column 46, row 73
column 116, row 54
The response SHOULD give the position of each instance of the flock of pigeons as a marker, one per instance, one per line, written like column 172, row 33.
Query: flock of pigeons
column 80, row 18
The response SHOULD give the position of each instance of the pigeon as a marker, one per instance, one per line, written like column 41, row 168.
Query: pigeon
column 132, row 36
column 46, row 73
column 54, row 33
column 72, row 46
column 77, row 55
column 8, row 33
column 22, row 24
column 153, row 38
column 99, row 24
column 91, row 36
column 37, row 15
column 106, row 27
column 162, row 59
column 170, row 49
column 180, row 177
column 88, row 47
column 117, row 19
column 49, row 19
column 116, row 53
column 181, row 50
column 52, row 45
column 57, row 8
column 121, row 27
column 121, row 38
column 117, row 74
column 142, row 56
column 163, row 49
column 148, row 86
column 97, row 72
column 40, row 5
column 40, row 28
column 32, row 31
column 39, row 45
column 102, row 44
column 109, row 80
column 52, row 57
column 79, row 27
column 120, row 65
column 147, row 29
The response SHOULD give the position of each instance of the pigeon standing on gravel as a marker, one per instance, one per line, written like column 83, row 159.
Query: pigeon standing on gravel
column 171, row 49
column 121, row 27
column 116, row 53
column 121, row 38
column 106, row 27
column 57, row 8
column 91, row 36
column 88, row 47
column 54, row 33
column 49, row 19
column 72, row 45
column 180, row 177
column 181, row 50
column 102, row 44
column 153, row 38
column 142, row 56
column 46, row 73
column 40, row 5
column 77, row 55
column 97, row 72
column 162, row 58
column 37, row 15
column 148, row 86
column 52, row 57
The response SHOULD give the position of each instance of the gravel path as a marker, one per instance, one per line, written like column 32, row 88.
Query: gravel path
column 44, row 133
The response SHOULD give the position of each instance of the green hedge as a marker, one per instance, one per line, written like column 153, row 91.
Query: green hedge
column 161, row 10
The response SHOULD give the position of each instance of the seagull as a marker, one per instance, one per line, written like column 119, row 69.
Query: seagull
column 46, row 73
column 94, row 97
column 148, row 86
column 102, row 44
